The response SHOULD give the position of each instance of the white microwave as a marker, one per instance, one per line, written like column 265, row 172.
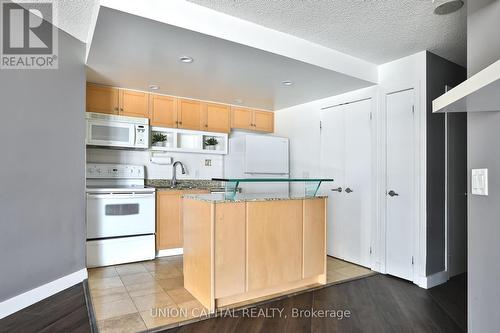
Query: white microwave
column 117, row 131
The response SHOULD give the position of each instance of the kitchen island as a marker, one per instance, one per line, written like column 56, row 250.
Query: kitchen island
column 252, row 245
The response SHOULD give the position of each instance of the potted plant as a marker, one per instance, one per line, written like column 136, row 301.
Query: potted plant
column 210, row 143
column 159, row 139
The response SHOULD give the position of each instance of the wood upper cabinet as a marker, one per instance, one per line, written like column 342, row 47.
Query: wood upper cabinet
column 263, row 121
column 169, row 218
column 102, row 99
column 216, row 117
column 134, row 103
column 241, row 118
column 189, row 114
column 173, row 112
column 162, row 110
column 254, row 120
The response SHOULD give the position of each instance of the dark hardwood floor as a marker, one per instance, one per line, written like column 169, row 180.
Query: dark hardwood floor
column 376, row 304
column 62, row 312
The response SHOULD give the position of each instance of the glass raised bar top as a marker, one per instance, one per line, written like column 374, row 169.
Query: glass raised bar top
column 311, row 185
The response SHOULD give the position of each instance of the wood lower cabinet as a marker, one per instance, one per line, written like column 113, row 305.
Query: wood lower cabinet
column 169, row 229
column 102, row 99
column 163, row 111
column 254, row 120
column 189, row 114
column 216, row 117
column 134, row 103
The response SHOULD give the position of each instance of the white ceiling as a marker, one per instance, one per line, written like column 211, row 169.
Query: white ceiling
column 74, row 16
column 378, row 31
column 134, row 52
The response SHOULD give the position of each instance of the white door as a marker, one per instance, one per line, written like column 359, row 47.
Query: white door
column 333, row 166
column 358, row 189
column 400, row 189
column 346, row 157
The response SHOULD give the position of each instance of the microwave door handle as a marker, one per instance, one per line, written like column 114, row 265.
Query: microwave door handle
column 134, row 136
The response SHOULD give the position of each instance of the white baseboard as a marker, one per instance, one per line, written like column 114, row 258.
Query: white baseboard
column 433, row 280
column 32, row 296
column 169, row 252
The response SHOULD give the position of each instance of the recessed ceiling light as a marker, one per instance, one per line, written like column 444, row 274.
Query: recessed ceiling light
column 154, row 87
column 287, row 83
column 448, row 7
column 186, row 59
column 237, row 101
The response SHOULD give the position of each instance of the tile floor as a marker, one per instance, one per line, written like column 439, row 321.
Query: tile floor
column 129, row 297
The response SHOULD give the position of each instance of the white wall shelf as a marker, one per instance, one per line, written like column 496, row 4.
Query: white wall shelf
column 188, row 141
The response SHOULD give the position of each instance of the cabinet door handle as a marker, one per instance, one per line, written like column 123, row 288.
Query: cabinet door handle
column 116, row 108
column 180, row 122
column 206, row 125
column 121, row 109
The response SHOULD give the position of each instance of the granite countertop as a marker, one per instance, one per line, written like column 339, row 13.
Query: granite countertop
column 185, row 185
column 220, row 197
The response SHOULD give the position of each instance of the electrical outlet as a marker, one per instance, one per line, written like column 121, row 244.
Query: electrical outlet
column 208, row 162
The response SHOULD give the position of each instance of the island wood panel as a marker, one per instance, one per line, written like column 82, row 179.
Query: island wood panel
column 134, row 103
column 230, row 225
column 274, row 243
column 169, row 226
column 181, row 216
column 314, row 237
column 102, row 99
column 163, row 110
column 199, row 251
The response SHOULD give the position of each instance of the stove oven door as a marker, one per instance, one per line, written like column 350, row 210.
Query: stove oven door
column 121, row 214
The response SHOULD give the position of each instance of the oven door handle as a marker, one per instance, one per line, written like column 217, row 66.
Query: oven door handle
column 120, row 196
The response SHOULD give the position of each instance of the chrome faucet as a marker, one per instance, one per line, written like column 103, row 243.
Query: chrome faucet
column 173, row 183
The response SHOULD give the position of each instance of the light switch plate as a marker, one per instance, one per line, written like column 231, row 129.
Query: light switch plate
column 479, row 180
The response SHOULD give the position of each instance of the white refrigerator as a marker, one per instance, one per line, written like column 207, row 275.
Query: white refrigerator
column 258, row 156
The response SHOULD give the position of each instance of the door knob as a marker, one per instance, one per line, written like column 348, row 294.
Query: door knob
column 348, row 190
column 392, row 193
column 337, row 189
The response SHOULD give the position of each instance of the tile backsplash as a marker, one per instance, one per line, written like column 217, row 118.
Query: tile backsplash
column 198, row 166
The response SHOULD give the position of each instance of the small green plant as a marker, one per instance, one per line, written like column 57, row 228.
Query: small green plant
column 211, row 142
column 159, row 137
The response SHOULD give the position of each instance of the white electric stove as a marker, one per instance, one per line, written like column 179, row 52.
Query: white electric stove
column 120, row 215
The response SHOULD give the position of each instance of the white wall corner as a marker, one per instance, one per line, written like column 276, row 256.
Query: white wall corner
column 33, row 296
column 433, row 280
column 90, row 34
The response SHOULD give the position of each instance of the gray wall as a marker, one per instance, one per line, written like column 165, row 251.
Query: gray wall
column 484, row 152
column 440, row 72
column 483, row 42
column 42, row 172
